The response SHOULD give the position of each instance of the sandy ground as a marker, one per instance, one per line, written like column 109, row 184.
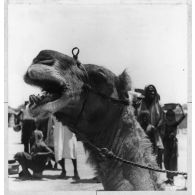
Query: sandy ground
column 51, row 182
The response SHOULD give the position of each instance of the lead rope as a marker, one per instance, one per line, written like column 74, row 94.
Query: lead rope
column 104, row 152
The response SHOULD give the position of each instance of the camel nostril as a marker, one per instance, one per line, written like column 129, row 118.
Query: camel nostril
column 28, row 74
column 31, row 73
column 48, row 62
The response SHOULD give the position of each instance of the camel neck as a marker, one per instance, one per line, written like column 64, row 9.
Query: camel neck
column 108, row 135
column 124, row 136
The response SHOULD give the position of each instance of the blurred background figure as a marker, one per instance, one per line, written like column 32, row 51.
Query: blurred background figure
column 144, row 120
column 170, row 140
column 49, row 140
column 42, row 125
column 28, row 126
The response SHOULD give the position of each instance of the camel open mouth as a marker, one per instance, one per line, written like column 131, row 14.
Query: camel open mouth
column 52, row 96
column 49, row 93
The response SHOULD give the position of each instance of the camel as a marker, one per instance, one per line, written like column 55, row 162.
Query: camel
column 81, row 97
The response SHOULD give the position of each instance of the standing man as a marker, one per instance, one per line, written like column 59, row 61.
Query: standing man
column 65, row 146
column 28, row 126
column 171, row 142
column 150, row 103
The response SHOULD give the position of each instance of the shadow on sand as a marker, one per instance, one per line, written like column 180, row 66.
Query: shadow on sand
column 55, row 177
column 84, row 181
column 52, row 177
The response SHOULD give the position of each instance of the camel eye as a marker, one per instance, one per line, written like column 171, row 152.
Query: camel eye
column 47, row 62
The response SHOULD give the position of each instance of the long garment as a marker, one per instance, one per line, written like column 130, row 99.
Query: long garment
column 28, row 126
column 156, row 120
column 171, row 148
column 65, row 142
column 50, row 133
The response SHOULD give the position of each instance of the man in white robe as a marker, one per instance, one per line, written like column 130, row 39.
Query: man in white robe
column 65, row 144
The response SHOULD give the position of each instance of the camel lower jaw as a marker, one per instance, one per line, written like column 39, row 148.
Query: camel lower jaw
column 44, row 110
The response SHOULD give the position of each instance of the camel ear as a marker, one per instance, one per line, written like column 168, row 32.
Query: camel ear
column 124, row 81
column 124, row 84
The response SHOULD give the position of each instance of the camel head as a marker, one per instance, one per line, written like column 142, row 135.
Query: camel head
column 76, row 94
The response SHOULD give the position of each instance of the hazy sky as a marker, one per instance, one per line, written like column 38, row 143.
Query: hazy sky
column 149, row 40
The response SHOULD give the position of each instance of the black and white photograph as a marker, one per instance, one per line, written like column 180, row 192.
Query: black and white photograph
column 98, row 96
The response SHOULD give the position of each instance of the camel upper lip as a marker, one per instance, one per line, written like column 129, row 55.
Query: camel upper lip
column 45, row 77
column 51, row 86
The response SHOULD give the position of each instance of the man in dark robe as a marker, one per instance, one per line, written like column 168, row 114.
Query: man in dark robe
column 171, row 143
column 28, row 126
